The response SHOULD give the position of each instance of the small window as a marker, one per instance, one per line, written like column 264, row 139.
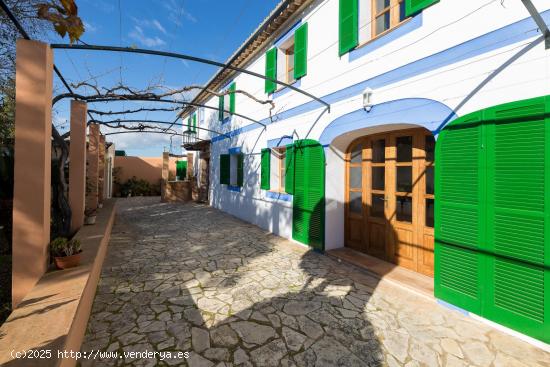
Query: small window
column 277, row 169
column 387, row 14
column 285, row 69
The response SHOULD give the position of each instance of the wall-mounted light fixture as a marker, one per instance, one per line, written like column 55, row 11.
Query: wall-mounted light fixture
column 367, row 99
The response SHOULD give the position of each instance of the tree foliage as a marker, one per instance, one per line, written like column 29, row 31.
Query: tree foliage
column 26, row 12
column 64, row 17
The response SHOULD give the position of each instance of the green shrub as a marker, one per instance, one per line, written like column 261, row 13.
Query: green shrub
column 61, row 247
column 138, row 187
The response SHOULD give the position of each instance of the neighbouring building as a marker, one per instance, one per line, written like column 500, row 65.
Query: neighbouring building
column 434, row 154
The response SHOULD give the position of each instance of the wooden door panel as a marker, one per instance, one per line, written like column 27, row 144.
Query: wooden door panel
column 376, row 245
column 426, row 255
column 405, row 251
column 355, row 230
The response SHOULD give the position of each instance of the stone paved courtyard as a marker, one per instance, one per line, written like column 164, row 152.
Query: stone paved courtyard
column 186, row 277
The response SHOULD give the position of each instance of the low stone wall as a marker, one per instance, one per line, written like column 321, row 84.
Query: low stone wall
column 173, row 191
column 53, row 316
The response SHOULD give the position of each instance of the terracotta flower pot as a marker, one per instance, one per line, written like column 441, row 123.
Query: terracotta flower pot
column 67, row 262
column 89, row 220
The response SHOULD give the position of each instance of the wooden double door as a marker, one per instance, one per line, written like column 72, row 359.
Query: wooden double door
column 390, row 198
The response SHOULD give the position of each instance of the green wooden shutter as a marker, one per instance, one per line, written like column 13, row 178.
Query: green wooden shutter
column 289, row 169
column 265, row 169
column 492, row 213
column 518, row 216
column 459, row 213
column 224, row 169
column 189, row 124
column 415, row 6
column 300, row 52
column 240, row 169
column 271, row 70
column 308, row 214
column 232, row 97
column 195, row 123
column 348, row 25
column 220, row 108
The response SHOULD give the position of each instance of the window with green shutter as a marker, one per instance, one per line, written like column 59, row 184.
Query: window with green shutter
column 220, row 107
column 348, row 29
column 240, row 169
column 308, row 212
column 300, row 51
column 415, row 6
column 232, row 97
column 225, row 169
column 265, row 169
column 195, row 122
column 271, row 70
column 289, row 169
column 492, row 215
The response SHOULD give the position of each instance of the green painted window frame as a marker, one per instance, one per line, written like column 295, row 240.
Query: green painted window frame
column 300, row 51
column 289, row 169
column 271, row 70
column 348, row 25
column 232, row 97
column 240, row 169
column 265, row 175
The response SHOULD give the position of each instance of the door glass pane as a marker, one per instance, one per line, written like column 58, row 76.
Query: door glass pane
column 377, row 206
column 379, row 151
column 404, row 209
column 378, row 179
column 404, row 179
column 429, row 213
column 430, row 148
column 430, row 180
column 382, row 23
column 356, row 153
column 355, row 177
column 355, row 202
column 404, row 148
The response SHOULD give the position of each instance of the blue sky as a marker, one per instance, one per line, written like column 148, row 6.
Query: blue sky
column 213, row 29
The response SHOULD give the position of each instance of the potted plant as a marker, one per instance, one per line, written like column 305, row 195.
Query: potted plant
column 89, row 216
column 66, row 253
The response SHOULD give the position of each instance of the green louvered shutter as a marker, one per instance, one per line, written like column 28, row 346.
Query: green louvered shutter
column 459, row 213
column 265, row 169
column 224, row 169
column 300, row 52
column 518, row 216
column 492, row 215
column 232, row 97
column 195, row 123
column 415, row 6
column 348, row 25
column 289, row 169
column 240, row 169
column 308, row 214
column 220, row 108
column 271, row 70
column 189, row 124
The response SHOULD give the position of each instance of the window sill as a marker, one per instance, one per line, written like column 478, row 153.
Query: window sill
column 281, row 91
column 282, row 196
column 408, row 25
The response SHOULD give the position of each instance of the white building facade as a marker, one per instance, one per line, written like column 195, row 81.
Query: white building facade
column 395, row 74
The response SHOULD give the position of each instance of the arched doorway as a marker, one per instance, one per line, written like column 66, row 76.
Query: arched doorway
column 389, row 197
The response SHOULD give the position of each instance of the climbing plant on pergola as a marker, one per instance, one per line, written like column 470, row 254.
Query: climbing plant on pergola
column 151, row 94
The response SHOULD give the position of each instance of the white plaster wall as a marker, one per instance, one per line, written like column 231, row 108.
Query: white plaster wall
column 444, row 25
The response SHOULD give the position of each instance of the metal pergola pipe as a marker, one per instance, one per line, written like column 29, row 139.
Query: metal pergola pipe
column 185, row 57
column 149, row 132
column 118, row 121
column 162, row 100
